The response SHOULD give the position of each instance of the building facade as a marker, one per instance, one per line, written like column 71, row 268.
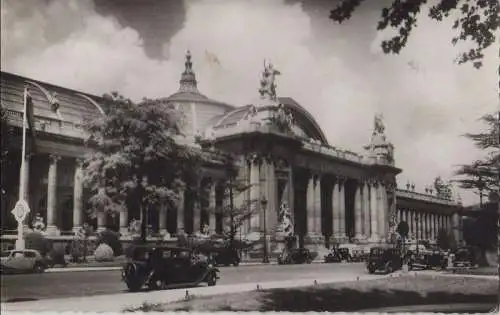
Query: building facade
column 334, row 195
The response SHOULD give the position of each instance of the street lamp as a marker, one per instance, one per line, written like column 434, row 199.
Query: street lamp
column 263, row 202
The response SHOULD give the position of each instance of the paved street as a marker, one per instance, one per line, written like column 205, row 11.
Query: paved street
column 74, row 284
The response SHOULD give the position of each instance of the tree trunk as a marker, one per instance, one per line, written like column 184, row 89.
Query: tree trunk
column 144, row 223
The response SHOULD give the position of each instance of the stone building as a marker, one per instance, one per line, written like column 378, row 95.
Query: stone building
column 334, row 195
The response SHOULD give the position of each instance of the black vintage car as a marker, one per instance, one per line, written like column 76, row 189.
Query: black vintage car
column 338, row 255
column 428, row 259
column 295, row 256
column 222, row 256
column 464, row 257
column 386, row 259
column 161, row 267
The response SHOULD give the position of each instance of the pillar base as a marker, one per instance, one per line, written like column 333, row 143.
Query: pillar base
column 52, row 230
column 100, row 229
column 165, row 235
column 124, row 231
column 76, row 229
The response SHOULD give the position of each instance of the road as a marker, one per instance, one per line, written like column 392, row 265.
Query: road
column 87, row 283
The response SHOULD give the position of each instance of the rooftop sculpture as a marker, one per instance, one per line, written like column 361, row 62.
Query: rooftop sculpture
column 267, row 83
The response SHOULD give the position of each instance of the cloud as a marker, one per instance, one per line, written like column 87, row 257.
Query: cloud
column 341, row 78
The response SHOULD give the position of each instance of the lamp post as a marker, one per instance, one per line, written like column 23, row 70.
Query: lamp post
column 263, row 202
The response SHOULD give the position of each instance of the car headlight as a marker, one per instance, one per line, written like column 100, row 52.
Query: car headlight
column 210, row 266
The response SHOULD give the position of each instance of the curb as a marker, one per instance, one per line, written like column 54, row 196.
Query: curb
column 81, row 269
column 120, row 301
column 443, row 274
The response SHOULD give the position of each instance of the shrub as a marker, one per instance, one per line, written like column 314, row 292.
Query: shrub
column 112, row 239
column 57, row 254
column 37, row 241
column 77, row 250
column 104, row 252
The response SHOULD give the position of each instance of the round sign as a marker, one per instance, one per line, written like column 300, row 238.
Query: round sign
column 21, row 210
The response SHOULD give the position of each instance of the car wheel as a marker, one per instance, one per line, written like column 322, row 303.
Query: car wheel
column 38, row 268
column 212, row 279
column 309, row 260
column 236, row 263
column 371, row 270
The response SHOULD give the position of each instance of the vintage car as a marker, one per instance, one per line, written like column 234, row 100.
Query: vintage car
column 22, row 261
column 338, row 255
column 295, row 256
column 427, row 259
column 162, row 267
column 463, row 257
column 386, row 259
column 224, row 256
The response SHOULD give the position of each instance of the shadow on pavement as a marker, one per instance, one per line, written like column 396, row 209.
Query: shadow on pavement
column 348, row 300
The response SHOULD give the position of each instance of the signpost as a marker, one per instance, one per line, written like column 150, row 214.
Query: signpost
column 20, row 212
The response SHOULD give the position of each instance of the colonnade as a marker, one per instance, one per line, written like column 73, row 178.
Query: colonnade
column 426, row 225
column 78, row 203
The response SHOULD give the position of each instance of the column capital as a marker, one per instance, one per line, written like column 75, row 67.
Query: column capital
column 54, row 158
column 79, row 161
column 340, row 179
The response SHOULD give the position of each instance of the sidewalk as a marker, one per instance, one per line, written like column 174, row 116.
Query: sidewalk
column 109, row 268
column 119, row 302
column 441, row 274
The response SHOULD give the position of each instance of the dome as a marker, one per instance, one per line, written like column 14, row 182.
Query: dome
column 303, row 126
column 198, row 109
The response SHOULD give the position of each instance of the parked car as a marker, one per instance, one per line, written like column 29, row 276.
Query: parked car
column 338, row 255
column 386, row 259
column 463, row 257
column 22, row 261
column 428, row 259
column 295, row 256
column 162, row 267
column 224, row 256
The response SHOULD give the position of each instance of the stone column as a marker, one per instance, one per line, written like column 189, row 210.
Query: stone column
column 335, row 210
column 456, row 227
column 101, row 220
column 373, row 211
column 342, row 209
column 52, row 196
column 162, row 217
column 358, row 224
column 272, row 195
column 196, row 216
column 366, row 211
column 310, row 206
column 77, row 196
column 255, row 193
column 427, row 226
column 211, row 208
column 180, row 213
column 317, row 206
column 422, row 226
column 411, row 221
column 382, row 211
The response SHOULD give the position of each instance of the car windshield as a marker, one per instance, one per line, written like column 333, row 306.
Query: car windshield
column 6, row 253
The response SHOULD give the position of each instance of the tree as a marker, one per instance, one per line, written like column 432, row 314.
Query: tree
column 481, row 176
column 478, row 22
column 235, row 215
column 136, row 157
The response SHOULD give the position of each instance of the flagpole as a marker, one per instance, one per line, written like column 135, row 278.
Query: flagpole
column 22, row 178
column 21, row 209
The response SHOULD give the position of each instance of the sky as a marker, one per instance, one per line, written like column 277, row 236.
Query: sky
column 337, row 72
